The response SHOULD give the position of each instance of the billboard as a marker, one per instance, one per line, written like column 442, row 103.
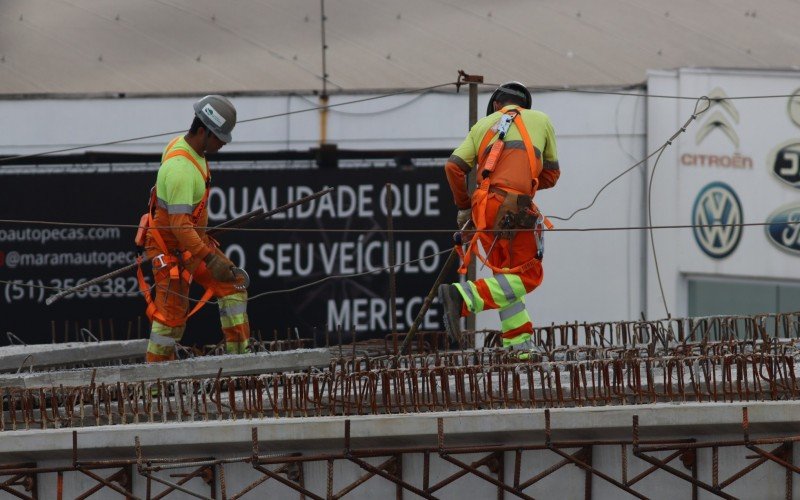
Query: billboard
column 318, row 265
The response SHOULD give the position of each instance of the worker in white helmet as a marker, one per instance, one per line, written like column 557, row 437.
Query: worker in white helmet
column 176, row 242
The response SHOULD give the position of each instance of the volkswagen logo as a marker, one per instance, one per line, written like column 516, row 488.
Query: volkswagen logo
column 715, row 214
column 783, row 228
column 784, row 161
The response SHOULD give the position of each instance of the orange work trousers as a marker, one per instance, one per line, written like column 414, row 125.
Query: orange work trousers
column 172, row 302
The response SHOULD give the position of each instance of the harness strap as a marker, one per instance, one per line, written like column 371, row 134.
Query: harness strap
column 481, row 195
column 535, row 163
column 152, row 311
column 169, row 262
column 466, row 257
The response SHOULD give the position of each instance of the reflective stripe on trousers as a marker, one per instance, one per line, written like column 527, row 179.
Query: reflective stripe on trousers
column 504, row 292
column 163, row 339
column 235, row 325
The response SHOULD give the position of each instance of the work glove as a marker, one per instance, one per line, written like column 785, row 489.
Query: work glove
column 463, row 216
column 220, row 267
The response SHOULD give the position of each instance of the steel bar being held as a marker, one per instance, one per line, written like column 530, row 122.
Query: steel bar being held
column 246, row 219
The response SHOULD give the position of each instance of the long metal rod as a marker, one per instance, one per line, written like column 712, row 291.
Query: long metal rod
column 246, row 219
column 243, row 219
column 451, row 259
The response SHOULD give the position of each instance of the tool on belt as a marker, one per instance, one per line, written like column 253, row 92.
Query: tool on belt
column 242, row 278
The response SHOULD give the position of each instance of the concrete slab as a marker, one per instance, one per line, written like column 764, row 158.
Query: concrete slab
column 420, row 429
column 202, row 367
column 14, row 357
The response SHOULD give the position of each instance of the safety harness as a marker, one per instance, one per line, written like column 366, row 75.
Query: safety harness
column 517, row 211
column 170, row 263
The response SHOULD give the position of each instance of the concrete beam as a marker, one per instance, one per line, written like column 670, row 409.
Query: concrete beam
column 201, row 367
column 412, row 429
column 14, row 357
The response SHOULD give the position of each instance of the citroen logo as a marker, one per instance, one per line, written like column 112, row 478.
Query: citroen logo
column 716, row 215
column 724, row 112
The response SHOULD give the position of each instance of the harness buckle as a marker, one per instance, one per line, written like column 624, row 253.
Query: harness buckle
column 538, row 233
column 158, row 262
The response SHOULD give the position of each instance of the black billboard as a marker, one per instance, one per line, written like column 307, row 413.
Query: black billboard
column 288, row 256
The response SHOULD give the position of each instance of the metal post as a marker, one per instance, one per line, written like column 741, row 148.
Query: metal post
column 323, row 97
column 473, row 80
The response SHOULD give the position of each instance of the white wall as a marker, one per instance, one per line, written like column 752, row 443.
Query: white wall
column 761, row 126
column 588, row 276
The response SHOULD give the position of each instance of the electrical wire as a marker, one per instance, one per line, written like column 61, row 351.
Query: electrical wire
column 423, row 90
column 576, row 90
column 353, row 275
column 657, row 151
column 409, row 231
column 371, row 113
column 251, row 298
column 695, row 113
column 86, row 291
column 248, row 120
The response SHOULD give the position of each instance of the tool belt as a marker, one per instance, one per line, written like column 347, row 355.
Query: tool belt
column 516, row 212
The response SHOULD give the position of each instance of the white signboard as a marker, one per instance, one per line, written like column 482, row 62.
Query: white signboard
column 738, row 162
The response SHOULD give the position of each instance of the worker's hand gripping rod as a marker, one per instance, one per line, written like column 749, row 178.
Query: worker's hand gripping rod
column 244, row 220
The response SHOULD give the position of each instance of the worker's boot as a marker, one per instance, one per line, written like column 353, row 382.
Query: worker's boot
column 452, row 302
column 527, row 348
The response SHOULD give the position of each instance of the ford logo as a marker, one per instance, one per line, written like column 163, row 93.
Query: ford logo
column 783, row 228
column 784, row 161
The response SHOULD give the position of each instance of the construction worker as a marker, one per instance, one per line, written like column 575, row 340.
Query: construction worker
column 176, row 242
column 515, row 151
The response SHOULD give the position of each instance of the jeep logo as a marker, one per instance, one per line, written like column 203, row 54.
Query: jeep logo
column 717, row 215
column 783, row 228
column 784, row 161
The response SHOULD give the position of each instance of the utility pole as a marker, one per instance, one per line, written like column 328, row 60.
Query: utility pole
column 323, row 97
column 473, row 81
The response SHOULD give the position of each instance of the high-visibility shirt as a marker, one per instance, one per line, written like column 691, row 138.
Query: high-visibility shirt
column 180, row 187
column 542, row 135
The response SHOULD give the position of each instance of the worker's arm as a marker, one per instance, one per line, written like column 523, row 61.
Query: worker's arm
column 183, row 229
column 550, row 168
column 457, row 168
column 180, row 199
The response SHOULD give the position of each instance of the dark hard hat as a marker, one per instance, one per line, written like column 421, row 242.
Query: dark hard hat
column 511, row 88
column 218, row 115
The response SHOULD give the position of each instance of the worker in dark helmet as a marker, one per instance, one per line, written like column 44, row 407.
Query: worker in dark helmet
column 176, row 242
column 514, row 148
